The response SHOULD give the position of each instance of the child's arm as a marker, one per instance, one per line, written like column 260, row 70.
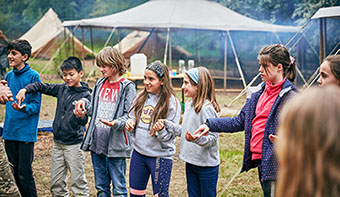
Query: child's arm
column 45, row 88
column 226, row 124
column 33, row 102
column 212, row 138
column 170, row 126
column 174, row 116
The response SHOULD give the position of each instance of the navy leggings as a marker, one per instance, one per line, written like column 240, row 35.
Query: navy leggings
column 140, row 169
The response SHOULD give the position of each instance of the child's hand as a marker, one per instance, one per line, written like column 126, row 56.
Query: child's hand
column 21, row 96
column 159, row 125
column 108, row 123
column 202, row 130
column 130, row 125
column 273, row 138
column 189, row 137
column 18, row 107
column 79, row 108
column 5, row 92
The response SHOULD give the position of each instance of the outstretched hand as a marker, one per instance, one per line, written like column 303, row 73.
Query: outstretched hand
column 190, row 137
column 108, row 123
column 202, row 130
column 21, row 96
column 79, row 108
column 5, row 92
column 18, row 107
column 130, row 125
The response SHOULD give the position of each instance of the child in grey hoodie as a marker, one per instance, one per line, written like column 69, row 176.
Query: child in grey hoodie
column 106, row 138
column 199, row 152
column 153, row 151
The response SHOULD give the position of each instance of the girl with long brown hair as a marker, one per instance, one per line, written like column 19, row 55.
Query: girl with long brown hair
column 308, row 148
column 153, row 151
column 199, row 152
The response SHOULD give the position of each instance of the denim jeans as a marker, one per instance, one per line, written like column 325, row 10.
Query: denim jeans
column 201, row 181
column 107, row 170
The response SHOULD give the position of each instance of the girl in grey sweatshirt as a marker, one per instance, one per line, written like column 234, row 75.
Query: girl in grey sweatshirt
column 199, row 152
column 152, row 151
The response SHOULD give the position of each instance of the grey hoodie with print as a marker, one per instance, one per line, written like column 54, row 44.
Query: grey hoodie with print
column 119, row 140
column 204, row 150
column 163, row 143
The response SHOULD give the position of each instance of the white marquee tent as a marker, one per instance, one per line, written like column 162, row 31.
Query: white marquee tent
column 169, row 15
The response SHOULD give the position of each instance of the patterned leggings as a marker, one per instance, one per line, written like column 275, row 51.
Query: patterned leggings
column 140, row 169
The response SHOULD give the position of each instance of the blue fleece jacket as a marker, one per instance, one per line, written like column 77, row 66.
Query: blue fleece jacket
column 22, row 125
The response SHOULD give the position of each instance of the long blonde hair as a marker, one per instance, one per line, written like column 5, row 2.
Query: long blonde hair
column 308, row 147
column 161, row 109
column 205, row 90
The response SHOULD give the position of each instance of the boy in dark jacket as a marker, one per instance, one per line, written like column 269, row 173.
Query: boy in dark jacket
column 68, row 130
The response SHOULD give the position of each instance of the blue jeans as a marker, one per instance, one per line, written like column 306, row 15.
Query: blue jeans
column 201, row 181
column 107, row 170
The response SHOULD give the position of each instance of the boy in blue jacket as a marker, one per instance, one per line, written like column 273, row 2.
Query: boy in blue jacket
column 68, row 130
column 21, row 121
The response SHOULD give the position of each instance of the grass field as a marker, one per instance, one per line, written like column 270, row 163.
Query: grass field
column 231, row 153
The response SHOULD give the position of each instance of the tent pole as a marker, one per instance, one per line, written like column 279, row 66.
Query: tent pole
column 277, row 37
column 55, row 54
column 170, row 51
column 197, row 52
column 302, row 28
column 93, row 57
column 72, row 42
column 118, row 37
column 166, row 47
column 146, row 40
column 82, row 46
column 110, row 36
column 225, row 61
column 236, row 59
column 322, row 55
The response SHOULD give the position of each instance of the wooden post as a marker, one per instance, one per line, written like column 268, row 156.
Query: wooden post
column 225, row 61
column 93, row 57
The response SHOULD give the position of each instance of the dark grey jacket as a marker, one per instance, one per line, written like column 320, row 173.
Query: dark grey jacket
column 119, row 140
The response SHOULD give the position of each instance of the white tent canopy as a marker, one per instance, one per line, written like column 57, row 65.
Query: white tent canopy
column 188, row 14
column 328, row 12
column 46, row 32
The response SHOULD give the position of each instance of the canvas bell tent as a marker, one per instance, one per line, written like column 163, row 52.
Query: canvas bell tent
column 48, row 34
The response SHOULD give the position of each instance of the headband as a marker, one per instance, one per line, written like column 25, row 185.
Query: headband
column 156, row 68
column 193, row 74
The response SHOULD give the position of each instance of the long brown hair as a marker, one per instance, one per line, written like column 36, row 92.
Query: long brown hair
column 161, row 109
column 278, row 54
column 308, row 147
column 205, row 90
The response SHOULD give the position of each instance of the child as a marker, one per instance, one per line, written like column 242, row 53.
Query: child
column 7, row 183
column 199, row 152
column 308, row 148
column 21, row 121
column 68, row 130
column 153, row 151
column 259, row 116
column 330, row 71
column 106, row 138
